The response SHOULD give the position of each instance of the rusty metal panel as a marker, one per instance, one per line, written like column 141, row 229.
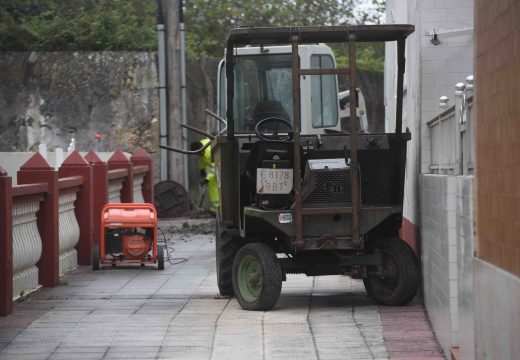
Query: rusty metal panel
column 315, row 34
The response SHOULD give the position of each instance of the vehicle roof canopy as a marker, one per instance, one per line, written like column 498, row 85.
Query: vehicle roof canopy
column 316, row 34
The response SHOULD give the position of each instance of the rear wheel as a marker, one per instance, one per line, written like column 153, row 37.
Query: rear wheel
column 257, row 277
column 400, row 282
column 95, row 257
column 226, row 248
column 160, row 257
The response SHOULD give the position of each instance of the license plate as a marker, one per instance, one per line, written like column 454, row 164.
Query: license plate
column 274, row 181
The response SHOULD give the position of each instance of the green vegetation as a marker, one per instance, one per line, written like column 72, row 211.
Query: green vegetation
column 207, row 23
column 53, row 25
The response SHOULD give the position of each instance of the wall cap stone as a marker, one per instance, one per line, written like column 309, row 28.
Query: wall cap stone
column 74, row 159
column 36, row 162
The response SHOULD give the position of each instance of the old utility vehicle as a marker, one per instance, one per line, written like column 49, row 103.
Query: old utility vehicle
column 299, row 193
column 293, row 202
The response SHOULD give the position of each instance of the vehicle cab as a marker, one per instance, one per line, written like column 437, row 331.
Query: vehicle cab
column 263, row 88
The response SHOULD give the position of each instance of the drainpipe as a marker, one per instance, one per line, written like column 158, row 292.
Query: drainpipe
column 163, row 89
column 183, row 94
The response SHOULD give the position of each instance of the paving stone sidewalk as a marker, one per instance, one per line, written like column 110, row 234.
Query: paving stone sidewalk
column 143, row 313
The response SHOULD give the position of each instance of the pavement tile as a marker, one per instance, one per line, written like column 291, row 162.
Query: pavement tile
column 140, row 313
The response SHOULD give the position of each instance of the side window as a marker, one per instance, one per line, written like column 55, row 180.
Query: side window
column 222, row 91
column 324, row 101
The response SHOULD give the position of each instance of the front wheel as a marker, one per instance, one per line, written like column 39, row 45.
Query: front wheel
column 401, row 277
column 226, row 248
column 257, row 277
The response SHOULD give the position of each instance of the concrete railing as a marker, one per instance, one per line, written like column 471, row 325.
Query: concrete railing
column 450, row 134
column 139, row 176
column 69, row 231
column 116, row 178
column 27, row 243
column 51, row 219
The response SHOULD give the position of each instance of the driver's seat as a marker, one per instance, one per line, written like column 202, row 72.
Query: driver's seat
column 269, row 154
column 269, row 109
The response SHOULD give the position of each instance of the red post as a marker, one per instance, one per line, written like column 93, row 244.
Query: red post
column 100, row 193
column 6, row 244
column 75, row 165
column 37, row 170
column 118, row 160
column 141, row 157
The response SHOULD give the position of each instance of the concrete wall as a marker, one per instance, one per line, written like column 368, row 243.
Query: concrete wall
column 439, row 255
column 472, row 304
column 465, row 266
column 497, row 312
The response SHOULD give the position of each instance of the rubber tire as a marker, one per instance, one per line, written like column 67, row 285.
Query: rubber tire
column 408, row 278
column 95, row 257
column 160, row 257
column 226, row 248
column 271, row 277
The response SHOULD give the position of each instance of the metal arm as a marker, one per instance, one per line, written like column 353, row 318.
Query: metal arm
column 212, row 114
column 194, row 152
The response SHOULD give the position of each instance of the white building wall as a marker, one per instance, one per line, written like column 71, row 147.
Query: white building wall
column 431, row 71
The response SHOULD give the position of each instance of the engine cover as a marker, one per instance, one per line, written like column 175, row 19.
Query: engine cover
column 136, row 246
column 327, row 183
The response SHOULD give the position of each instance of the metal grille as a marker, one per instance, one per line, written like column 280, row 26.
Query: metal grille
column 329, row 188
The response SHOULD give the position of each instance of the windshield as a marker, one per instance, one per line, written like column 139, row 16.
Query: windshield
column 263, row 89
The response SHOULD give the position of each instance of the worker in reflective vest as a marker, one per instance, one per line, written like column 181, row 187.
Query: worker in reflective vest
column 207, row 173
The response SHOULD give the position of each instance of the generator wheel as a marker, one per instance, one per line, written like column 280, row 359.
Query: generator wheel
column 95, row 257
column 401, row 281
column 257, row 277
column 226, row 248
column 160, row 257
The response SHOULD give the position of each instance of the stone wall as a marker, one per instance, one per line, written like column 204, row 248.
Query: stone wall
column 52, row 97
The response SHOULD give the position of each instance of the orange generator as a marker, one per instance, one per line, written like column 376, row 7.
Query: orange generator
column 128, row 236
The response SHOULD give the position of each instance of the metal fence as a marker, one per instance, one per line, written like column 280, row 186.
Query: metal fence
column 451, row 134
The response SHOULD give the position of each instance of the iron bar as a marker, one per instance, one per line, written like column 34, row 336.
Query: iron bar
column 324, row 211
column 400, row 80
column 354, row 166
column 299, row 243
column 198, row 131
column 215, row 116
column 323, row 71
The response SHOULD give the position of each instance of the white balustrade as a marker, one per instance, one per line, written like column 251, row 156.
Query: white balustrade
column 138, row 188
column 27, row 248
column 451, row 134
column 68, row 233
column 114, row 190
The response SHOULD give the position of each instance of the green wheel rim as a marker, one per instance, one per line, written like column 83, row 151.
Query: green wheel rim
column 250, row 278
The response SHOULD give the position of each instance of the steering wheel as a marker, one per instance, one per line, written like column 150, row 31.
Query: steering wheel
column 274, row 135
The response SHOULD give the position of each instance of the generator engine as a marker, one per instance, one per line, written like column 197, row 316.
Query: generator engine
column 136, row 246
column 128, row 236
